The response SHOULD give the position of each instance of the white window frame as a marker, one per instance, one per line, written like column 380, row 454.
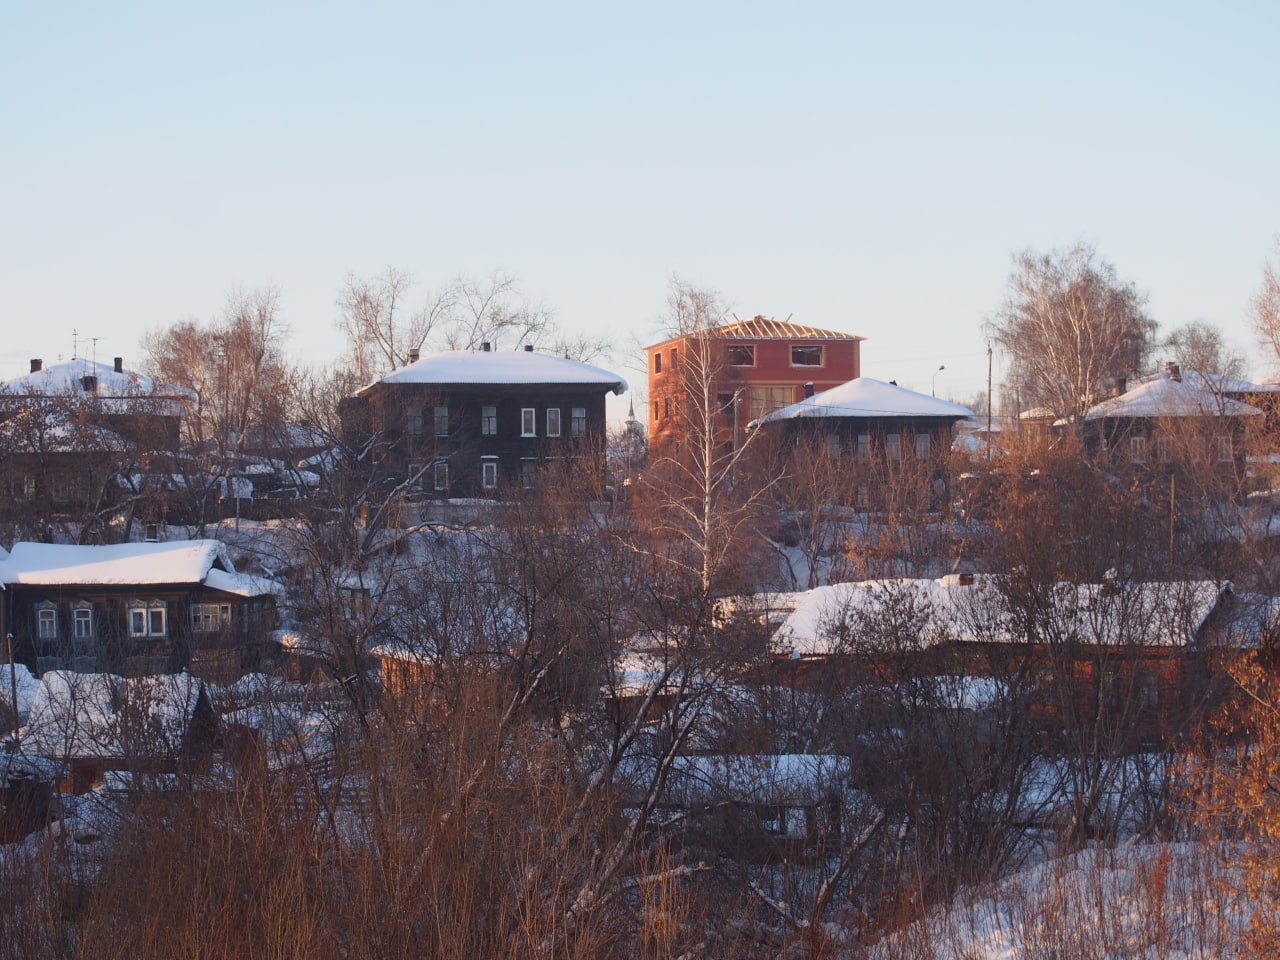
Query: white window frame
column 863, row 450
column 489, row 420
column 893, row 446
column 1138, row 449
column 923, row 446
column 528, row 472
column 528, row 421
column 440, row 420
column 1222, row 443
column 82, row 621
column 413, row 422
column 577, row 421
column 489, row 474
column 148, row 610
column 553, row 421
column 46, row 621
column 440, row 475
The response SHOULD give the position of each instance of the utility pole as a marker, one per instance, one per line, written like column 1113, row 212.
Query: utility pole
column 988, row 400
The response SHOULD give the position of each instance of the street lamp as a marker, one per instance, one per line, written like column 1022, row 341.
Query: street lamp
column 933, row 387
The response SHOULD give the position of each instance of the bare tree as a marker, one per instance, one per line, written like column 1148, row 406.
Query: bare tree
column 1070, row 324
column 235, row 369
column 1201, row 346
column 1265, row 306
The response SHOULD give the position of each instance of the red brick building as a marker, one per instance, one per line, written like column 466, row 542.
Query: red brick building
column 752, row 367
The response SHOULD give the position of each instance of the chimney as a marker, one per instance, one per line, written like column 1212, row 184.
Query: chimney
column 1121, row 386
column 1174, row 371
column 528, row 348
column 119, row 365
column 90, row 383
column 36, row 364
column 485, row 346
column 414, row 354
column 808, row 389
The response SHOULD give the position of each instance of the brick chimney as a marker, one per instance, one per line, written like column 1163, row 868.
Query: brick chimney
column 1174, row 371
column 90, row 383
column 119, row 365
column 528, row 348
column 486, row 346
column 414, row 355
column 808, row 389
column 36, row 364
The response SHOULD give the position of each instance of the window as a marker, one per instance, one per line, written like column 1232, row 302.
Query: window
column 578, row 421
column 1164, row 450
column 675, row 358
column 82, row 622
column 413, row 422
column 210, row 617
column 441, row 476
column 442, row 421
column 489, row 421
column 767, row 399
column 47, row 621
column 657, row 415
column 657, row 361
column 415, row 474
column 833, row 444
column 806, row 356
column 922, row 446
column 864, row 446
column 1138, row 449
column 553, row 421
column 528, row 472
column 148, row 619
column 23, row 488
column 528, row 422
column 725, row 402
column 741, row 355
column 1223, row 445
column 666, row 407
column 893, row 446
column 489, row 474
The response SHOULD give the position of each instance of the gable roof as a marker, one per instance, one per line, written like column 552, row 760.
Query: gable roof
column 56, row 564
column 1165, row 397
column 865, row 397
column 492, row 368
column 826, row 619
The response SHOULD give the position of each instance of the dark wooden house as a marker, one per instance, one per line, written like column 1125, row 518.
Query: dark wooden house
column 471, row 423
column 135, row 608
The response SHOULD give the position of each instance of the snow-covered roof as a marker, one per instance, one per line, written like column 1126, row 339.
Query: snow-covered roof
column 789, row 779
column 866, row 397
column 1165, row 397
column 1217, row 382
column 491, row 367
column 67, row 379
column 54, row 564
column 240, row 584
column 833, row 619
column 103, row 715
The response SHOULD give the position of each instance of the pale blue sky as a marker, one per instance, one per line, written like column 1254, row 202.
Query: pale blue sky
column 864, row 167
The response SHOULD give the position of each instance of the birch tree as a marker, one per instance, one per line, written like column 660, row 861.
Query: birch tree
column 1070, row 324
